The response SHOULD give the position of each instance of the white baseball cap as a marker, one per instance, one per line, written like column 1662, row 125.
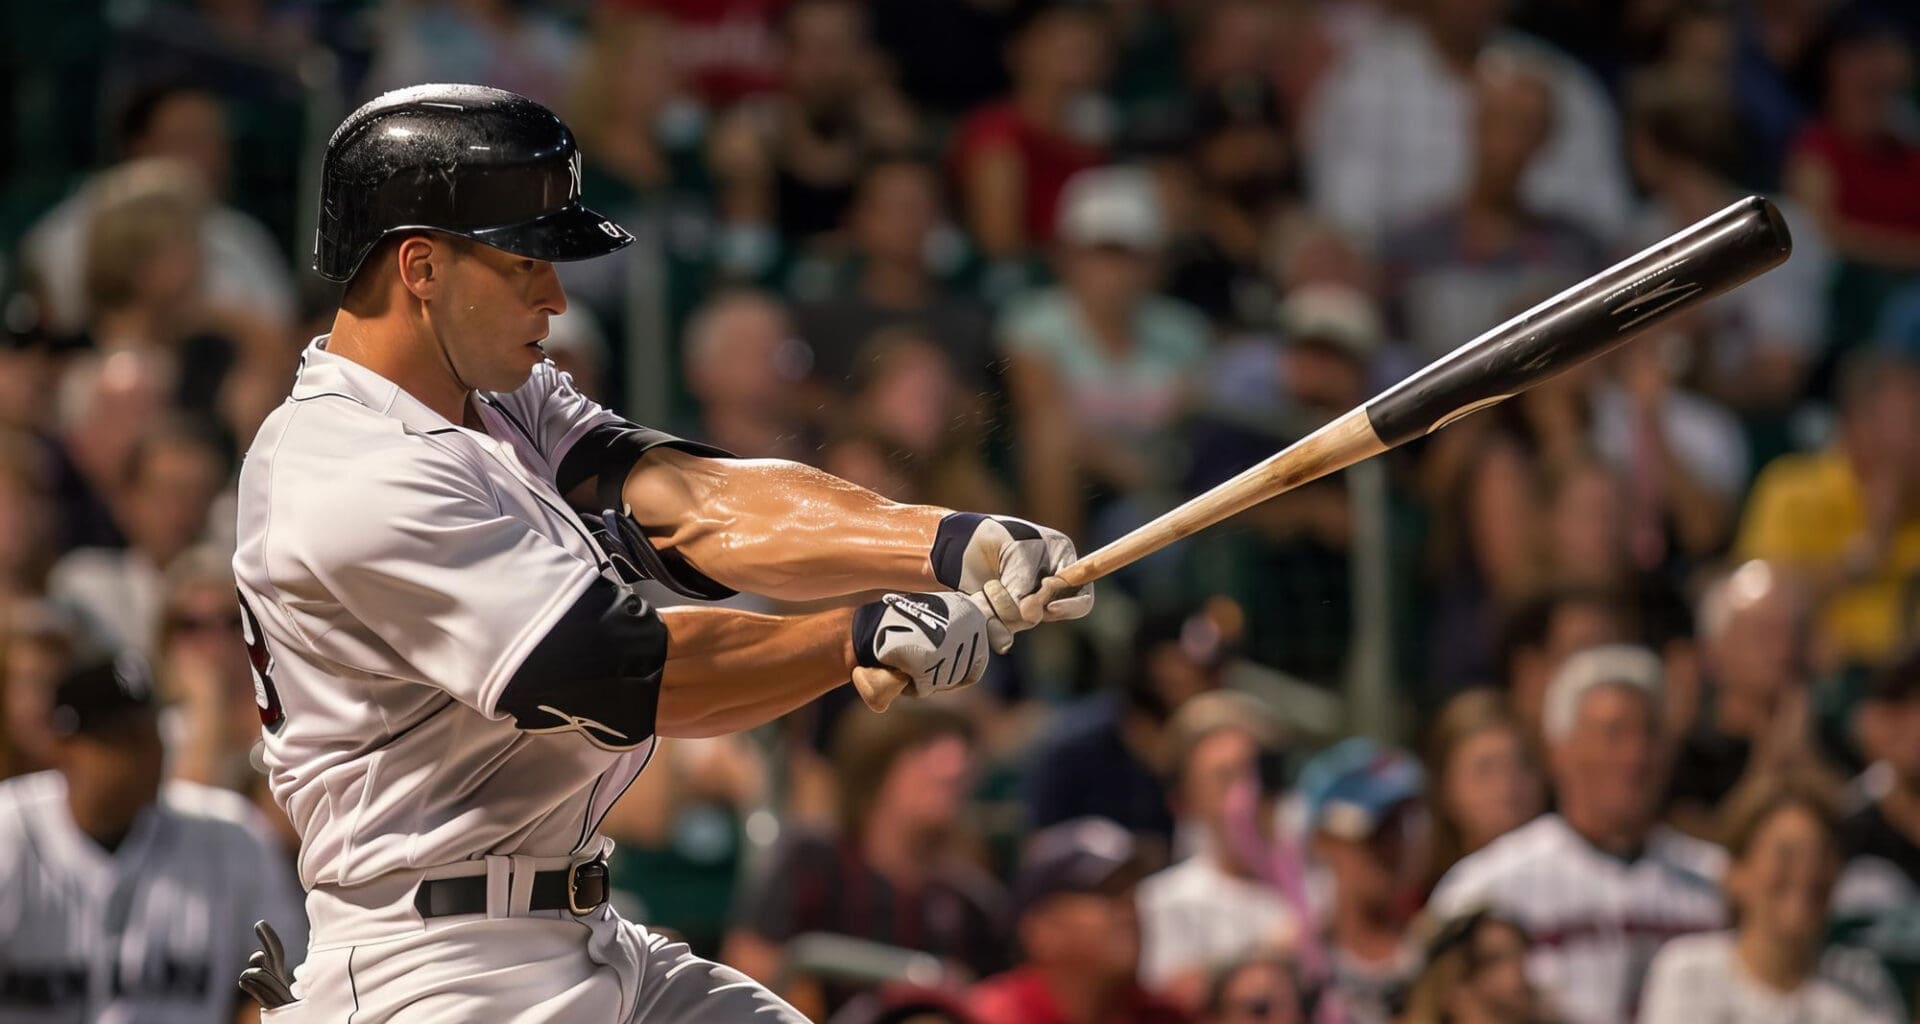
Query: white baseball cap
column 1625, row 665
column 1112, row 206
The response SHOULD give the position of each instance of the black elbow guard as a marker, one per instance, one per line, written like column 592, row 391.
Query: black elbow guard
column 605, row 455
column 596, row 672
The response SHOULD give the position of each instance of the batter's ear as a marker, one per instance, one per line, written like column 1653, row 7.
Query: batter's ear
column 422, row 261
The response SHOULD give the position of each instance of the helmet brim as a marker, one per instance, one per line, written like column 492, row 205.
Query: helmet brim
column 571, row 233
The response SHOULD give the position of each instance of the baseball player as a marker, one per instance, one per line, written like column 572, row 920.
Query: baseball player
column 437, row 534
column 124, row 900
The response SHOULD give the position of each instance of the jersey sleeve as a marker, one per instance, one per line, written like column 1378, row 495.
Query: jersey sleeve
column 577, row 436
column 427, row 578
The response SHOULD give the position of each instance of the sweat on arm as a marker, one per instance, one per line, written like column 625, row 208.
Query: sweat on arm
column 769, row 526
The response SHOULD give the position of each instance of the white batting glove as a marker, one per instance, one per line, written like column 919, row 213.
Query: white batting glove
column 1006, row 561
column 939, row 641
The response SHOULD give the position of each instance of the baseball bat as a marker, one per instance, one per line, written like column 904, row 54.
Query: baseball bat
column 1586, row 321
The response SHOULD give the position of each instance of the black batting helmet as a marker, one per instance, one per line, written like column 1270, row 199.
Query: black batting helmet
column 480, row 163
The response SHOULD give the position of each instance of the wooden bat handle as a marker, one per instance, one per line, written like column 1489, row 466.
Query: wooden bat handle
column 1333, row 447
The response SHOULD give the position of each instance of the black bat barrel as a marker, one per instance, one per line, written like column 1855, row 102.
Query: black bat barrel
column 1591, row 318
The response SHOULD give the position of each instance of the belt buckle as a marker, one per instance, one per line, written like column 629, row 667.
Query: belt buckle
column 598, row 872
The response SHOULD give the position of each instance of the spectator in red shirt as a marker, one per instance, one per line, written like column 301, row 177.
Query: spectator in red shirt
column 1853, row 166
column 1013, row 157
column 726, row 48
column 1079, row 933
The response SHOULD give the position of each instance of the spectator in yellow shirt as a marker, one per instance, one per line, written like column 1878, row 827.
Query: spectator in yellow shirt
column 1848, row 518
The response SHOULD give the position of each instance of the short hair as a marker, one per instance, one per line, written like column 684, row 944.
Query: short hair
column 144, row 206
column 143, row 105
column 1686, row 116
column 1530, row 623
column 1214, row 712
column 867, row 745
column 1620, row 665
column 1754, row 802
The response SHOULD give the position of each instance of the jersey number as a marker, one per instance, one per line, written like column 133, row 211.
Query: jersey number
column 264, row 695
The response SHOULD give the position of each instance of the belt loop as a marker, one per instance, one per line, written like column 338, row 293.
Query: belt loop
column 499, row 891
column 521, row 894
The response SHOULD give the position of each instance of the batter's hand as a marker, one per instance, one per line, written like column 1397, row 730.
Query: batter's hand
column 1006, row 561
column 935, row 641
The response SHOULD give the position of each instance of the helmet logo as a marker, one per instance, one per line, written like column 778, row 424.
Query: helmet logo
column 574, row 166
column 611, row 229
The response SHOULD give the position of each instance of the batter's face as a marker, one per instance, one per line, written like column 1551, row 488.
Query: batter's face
column 491, row 314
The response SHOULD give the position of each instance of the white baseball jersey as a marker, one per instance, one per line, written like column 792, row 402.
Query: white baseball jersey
column 1595, row 919
column 395, row 569
column 156, row 931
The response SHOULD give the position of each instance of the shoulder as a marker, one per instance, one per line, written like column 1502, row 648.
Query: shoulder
column 1857, row 972
column 1699, row 952
column 1173, row 885
column 1538, row 844
column 1798, row 475
column 1182, row 329
column 22, row 796
column 1693, row 859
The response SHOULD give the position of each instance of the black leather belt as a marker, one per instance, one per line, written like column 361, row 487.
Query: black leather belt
column 580, row 889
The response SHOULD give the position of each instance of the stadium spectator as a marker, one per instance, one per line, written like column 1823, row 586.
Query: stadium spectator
column 508, row 45
column 907, row 393
column 836, row 110
column 1486, row 253
column 1539, row 636
column 1776, row 963
column 173, row 474
column 1388, row 132
column 894, row 228
column 1100, row 365
column 1244, row 181
column 1079, row 936
column 1758, row 344
column 204, row 674
column 106, row 403
column 145, row 268
column 725, row 49
column 1211, row 909
column 1775, row 79
column 40, row 640
column 895, row 873
column 1012, row 158
column 742, row 365
column 167, row 120
column 1754, row 624
column 1263, row 989
column 27, row 529
column 1103, row 756
column 1887, row 827
column 128, row 898
column 639, row 134
column 1473, row 971
column 1484, row 781
column 1847, row 519
column 1854, row 165
column 1598, row 884
column 1682, row 456
column 1369, row 831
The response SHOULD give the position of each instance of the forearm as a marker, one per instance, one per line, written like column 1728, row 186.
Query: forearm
column 782, row 529
column 728, row 671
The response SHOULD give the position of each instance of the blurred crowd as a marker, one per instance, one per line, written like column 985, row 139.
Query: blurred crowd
column 1643, row 737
